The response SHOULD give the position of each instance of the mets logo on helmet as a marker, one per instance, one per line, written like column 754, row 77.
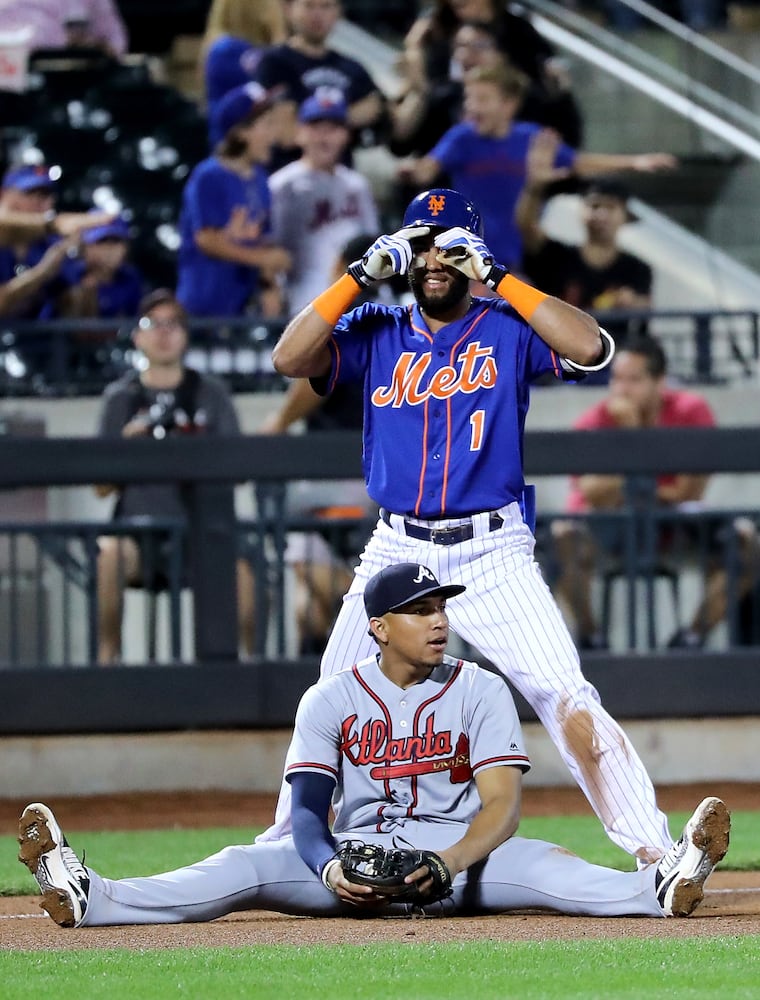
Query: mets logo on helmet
column 436, row 203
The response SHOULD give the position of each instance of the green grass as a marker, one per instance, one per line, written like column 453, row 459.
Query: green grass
column 614, row 969
column 146, row 852
column 725, row 967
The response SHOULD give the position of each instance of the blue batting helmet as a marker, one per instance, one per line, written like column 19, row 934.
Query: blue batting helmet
column 444, row 209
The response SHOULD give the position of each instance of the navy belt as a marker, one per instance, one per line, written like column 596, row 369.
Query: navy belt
column 443, row 536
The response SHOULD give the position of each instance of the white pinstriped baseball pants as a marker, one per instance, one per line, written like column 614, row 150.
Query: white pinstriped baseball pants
column 510, row 616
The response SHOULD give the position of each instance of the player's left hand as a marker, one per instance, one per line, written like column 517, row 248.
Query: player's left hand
column 464, row 251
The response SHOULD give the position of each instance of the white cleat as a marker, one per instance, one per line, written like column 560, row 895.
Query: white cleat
column 682, row 872
column 60, row 874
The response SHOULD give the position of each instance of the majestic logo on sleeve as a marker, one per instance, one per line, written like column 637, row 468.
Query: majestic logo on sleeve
column 430, row 752
column 409, row 385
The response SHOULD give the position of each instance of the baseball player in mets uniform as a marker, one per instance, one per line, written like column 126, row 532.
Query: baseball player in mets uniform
column 409, row 746
column 446, row 389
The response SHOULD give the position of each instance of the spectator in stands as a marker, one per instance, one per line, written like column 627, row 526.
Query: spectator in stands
column 106, row 284
column 62, row 24
column 596, row 275
column 455, row 36
column 323, row 569
column 485, row 157
column 318, row 203
column 639, row 397
column 237, row 34
column 305, row 62
column 162, row 397
column 35, row 264
column 228, row 264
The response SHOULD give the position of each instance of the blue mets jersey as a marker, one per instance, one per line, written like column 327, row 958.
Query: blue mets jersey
column 444, row 413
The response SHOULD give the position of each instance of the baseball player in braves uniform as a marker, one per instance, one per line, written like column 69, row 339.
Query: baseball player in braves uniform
column 446, row 388
column 409, row 746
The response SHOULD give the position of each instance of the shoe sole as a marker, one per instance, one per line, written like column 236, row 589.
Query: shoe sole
column 36, row 839
column 709, row 834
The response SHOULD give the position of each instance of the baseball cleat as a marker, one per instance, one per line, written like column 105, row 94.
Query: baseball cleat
column 681, row 874
column 60, row 874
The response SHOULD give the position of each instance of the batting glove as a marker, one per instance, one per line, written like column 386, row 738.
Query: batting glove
column 387, row 256
column 468, row 253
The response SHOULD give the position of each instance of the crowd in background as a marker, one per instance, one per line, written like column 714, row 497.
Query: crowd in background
column 277, row 202
column 286, row 114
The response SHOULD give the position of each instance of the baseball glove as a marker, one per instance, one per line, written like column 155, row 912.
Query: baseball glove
column 384, row 869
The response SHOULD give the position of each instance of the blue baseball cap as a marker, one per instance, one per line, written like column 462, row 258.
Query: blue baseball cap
column 400, row 584
column 117, row 229
column 31, row 177
column 322, row 107
column 241, row 103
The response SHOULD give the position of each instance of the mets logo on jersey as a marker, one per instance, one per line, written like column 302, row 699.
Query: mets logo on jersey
column 436, row 203
column 410, row 385
column 387, row 758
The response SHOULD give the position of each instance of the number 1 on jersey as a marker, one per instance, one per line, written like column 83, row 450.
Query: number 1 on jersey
column 477, row 423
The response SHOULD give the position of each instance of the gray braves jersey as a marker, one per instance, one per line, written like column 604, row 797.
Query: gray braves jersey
column 314, row 214
column 404, row 762
column 401, row 755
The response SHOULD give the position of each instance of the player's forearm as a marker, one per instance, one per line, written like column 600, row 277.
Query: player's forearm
column 302, row 351
column 309, row 818
column 496, row 822
column 572, row 333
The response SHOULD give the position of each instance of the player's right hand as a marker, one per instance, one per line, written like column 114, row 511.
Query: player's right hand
column 387, row 256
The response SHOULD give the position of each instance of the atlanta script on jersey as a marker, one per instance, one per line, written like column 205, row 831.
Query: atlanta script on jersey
column 401, row 755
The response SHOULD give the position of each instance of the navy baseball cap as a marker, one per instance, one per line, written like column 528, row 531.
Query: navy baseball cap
column 322, row 107
column 239, row 104
column 400, row 584
column 117, row 229
column 31, row 177
column 443, row 208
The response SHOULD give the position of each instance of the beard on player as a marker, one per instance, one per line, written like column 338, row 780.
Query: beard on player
column 438, row 305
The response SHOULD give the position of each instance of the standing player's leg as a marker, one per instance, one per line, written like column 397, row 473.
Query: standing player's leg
column 508, row 613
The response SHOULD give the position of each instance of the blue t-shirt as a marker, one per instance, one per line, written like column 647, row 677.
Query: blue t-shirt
column 230, row 62
column 491, row 173
column 218, row 198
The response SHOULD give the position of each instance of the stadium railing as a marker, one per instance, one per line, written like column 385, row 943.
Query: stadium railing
column 79, row 357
